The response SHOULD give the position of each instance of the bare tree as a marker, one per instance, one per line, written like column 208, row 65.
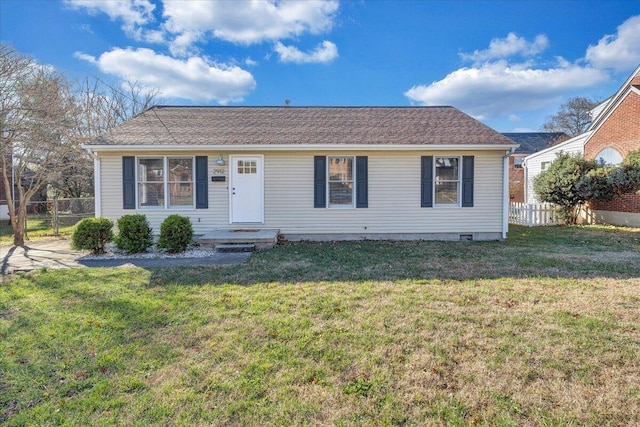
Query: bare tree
column 37, row 112
column 573, row 118
column 100, row 107
column 43, row 120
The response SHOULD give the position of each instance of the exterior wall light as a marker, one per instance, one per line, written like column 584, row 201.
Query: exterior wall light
column 220, row 161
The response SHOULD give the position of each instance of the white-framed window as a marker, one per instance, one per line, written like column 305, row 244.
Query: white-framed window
column 517, row 162
column 165, row 182
column 340, row 181
column 447, row 181
column 544, row 166
column 609, row 157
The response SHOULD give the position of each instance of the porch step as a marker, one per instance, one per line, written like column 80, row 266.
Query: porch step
column 259, row 238
column 231, row 247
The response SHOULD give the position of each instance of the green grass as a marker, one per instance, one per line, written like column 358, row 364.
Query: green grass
column 539, row 330
column 38, row 228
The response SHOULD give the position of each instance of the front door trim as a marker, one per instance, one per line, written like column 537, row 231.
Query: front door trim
column 258, row 215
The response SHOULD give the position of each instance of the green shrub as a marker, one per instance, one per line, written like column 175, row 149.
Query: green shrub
column 632, row 159
column 134, row 234
column 176, row 233
column 561, row 184
column 92, row 234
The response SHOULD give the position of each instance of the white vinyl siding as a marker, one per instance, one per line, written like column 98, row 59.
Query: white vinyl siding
column 534, row 163
column 393, row 187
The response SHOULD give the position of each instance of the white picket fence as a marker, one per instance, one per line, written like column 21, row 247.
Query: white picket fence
column 533, row 214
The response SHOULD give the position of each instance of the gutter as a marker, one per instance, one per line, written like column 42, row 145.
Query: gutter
column 97, row 171
column 505, row 191
column 298, row 147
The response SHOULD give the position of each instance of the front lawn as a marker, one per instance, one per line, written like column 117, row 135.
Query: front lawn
column 38, row 227
column 543, row 329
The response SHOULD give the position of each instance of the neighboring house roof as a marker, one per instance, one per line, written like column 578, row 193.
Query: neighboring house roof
column 273, row 127
column 531, row 142
column 602, row 111
column 579, row 140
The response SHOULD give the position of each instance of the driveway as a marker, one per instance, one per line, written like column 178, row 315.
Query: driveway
column 57, row 253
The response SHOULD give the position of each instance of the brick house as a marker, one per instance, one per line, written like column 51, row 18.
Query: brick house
column 616, row 132
column 613, row 133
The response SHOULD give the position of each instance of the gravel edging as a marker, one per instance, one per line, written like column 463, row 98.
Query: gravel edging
column 153, row 254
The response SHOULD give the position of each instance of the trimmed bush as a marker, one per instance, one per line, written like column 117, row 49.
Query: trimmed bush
column 92, row 234
column 176, row 233
column 134, row 234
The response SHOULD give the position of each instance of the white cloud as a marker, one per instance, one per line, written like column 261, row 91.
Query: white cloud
column 620, row 51
column 498, row 88
column 133, row 13
column 507, row 47
column 323, row 53
column 246, row 21
column 195, row 79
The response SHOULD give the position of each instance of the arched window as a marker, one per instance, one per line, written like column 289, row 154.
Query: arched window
column 609, row 157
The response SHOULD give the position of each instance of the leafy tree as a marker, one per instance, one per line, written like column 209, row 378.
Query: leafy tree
column 561, row 184
column 573, row 118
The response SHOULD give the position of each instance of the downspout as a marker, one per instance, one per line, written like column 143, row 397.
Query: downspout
column 505, row 192
column 96, row 183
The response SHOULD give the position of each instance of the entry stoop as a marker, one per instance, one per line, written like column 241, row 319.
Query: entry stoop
column 239, row 239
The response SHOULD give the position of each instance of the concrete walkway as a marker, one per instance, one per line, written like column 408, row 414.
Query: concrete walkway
column 56, row 254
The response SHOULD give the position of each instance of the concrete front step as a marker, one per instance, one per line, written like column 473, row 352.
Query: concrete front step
column 234, row 247
column 265, row 238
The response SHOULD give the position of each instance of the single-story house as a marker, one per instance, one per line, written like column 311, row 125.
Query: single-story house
column 529, row 143
column 314, row 173
column 614, row 132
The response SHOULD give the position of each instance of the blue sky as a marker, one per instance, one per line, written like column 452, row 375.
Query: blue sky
column 508, row 63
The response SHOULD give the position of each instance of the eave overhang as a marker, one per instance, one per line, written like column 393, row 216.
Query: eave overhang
column 299, row 147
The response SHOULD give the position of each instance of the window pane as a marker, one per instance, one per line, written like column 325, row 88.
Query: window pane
column 447, row 168
column 151, row 194
column 181, row 194
column 340, row 181
column 446, row 193
column 180, row 170
column 340, row 194
column 150, row 170
column 340, row 168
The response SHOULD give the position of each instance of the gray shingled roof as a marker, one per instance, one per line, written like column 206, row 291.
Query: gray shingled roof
column 165, row 125
column 532, row 142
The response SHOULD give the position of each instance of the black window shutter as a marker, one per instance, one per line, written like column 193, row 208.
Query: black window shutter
column 362, row 178
column 467, row 181
column 319, row 182
column 202, row 182
column 128, row 182
column 426, row 182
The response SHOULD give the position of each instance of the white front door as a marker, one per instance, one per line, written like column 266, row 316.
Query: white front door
column 246, row 195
